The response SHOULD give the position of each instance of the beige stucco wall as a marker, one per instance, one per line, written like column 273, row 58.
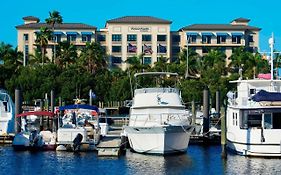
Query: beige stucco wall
column 150, row 29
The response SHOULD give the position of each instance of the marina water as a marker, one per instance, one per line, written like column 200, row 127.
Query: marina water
column 198, row 160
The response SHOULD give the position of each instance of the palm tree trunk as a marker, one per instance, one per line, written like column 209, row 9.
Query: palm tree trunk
column 54, row 44
column 43, row 54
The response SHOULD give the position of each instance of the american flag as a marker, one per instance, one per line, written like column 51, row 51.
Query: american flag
column 147, row 49
column 132, row 48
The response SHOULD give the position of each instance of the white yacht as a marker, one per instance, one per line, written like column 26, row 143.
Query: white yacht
column 7, row 113
column 254, row 118
column 159, row 123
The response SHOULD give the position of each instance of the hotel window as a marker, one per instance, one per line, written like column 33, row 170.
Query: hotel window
column 162, row 59
column 131, row 37
column 221, row 39
column 25, row 37
column 101, row 38
column 86, row 37
column 251, row 38
column 236, row 39
column 222, row 49
column 176, row 38
column 175, row 60
column 205, row 49
column 103, row 48
column 116, row 37
column 146, row 60
column 146, row 37
column 161, row 49
column 192, row 38
column 26, row 52
column 116, row 49
column 206, row 39
column 116, row 60
column 71, row 37
column 58, row 38
column 176, row 50
column 161, row 37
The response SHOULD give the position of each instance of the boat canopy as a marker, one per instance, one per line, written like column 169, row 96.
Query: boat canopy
column 37, row 113
column 79, row 106
column 263, row 95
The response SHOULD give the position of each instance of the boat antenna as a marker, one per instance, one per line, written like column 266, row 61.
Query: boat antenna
column 131, row 88
column 271, row 45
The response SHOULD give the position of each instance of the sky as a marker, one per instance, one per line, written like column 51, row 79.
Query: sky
column 264, row 14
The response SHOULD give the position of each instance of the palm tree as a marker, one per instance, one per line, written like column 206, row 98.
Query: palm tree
column 66, row 54
column 93, row 57
column 54, row 18
column 42, row 39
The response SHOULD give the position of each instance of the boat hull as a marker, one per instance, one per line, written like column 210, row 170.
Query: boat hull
column 159, row 140
column 258, row 150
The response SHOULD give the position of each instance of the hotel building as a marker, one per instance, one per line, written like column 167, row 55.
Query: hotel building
column 76, row 33
column 204, row 37
column 130, row 36
column 144, row 36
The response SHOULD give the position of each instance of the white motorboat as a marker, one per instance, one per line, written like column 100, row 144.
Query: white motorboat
column 32, row 135
column 7, row 113
column 159, row 123
column 79, row 128
column 254, row 118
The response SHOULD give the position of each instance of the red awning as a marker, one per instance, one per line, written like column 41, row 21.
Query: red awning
column 37, row 113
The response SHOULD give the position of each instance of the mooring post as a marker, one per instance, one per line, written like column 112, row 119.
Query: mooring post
column 218, row 104
column 223, row 134
column 206, row 115
column 53, row 110
column 41, row 118
column 193, row 111
column 90, row 97
column 18, row 107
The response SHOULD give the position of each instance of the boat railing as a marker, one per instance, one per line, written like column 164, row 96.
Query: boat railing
column 158, row 119
column 157, row 90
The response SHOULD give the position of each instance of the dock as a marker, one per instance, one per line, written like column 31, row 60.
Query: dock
column 112, row 144
column 6, row 139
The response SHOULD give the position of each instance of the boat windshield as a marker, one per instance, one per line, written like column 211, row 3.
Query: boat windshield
column 78, row 117
column 156, row 79
column 30, row 123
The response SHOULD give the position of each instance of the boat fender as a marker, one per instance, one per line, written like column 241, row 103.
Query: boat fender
column 77, row 141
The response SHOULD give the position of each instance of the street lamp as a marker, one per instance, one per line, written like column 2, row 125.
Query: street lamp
column 187, row 40
column 271, row 45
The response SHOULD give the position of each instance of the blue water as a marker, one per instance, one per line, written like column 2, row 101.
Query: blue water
column 197, row 160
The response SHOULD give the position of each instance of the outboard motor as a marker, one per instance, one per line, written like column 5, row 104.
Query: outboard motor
column 77, row 141
column 34, row 138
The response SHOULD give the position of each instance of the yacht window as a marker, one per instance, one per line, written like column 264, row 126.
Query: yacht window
column 236, row 122
column 267, row 121
column 276, row 120
column 254, row 120
column 243, row 121
column 252, row 91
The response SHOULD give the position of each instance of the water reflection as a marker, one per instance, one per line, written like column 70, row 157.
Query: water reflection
column 197, row 160
column 153, row 164
column 236, row 164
